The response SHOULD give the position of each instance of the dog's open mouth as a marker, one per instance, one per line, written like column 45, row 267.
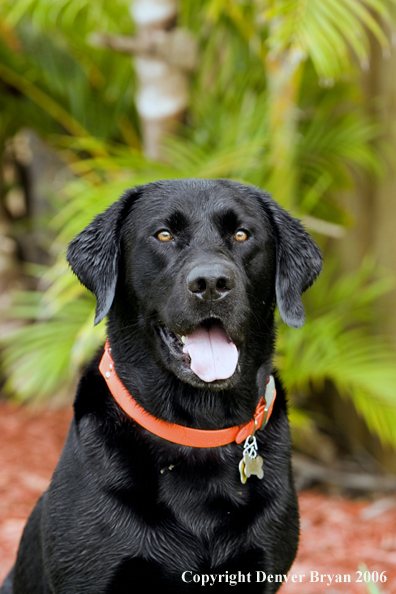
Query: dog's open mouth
column 208, row 350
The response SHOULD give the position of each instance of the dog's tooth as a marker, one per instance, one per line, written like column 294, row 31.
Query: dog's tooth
column 183, row 339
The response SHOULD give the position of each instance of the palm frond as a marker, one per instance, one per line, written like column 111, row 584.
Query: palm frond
column 326, row 31
column 330, row 347
column 67, row 14
column 43, row 358
column 86, row 92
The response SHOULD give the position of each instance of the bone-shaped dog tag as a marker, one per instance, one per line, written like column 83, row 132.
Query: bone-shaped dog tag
column 253, row 466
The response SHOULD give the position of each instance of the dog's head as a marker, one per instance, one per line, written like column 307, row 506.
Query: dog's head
column 196, row 266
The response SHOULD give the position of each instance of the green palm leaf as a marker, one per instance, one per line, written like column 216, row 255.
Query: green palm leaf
column 44, row 358
column 67, row 14
column 329, row 347
column 326, row 31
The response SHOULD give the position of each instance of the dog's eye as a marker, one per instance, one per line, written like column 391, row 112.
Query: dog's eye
column 241, row 235
column 164, row 235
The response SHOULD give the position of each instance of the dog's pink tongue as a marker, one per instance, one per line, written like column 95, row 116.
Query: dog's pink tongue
column 213, row 355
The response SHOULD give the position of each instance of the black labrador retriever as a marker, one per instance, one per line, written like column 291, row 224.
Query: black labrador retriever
column 175, row 474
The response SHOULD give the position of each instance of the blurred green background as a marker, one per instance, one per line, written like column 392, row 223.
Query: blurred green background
column 295, row 96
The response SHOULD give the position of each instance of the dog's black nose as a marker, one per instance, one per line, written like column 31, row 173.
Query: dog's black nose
column 210, row 282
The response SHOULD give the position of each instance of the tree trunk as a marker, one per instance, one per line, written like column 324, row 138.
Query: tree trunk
column 283, row 76
column 374, row 210
column 163, row 76
column 164, row 57
column 384, row 206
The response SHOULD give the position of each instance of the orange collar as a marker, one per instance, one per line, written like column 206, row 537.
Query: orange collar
column 187, row 436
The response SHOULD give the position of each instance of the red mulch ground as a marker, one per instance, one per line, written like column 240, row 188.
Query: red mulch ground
column 337, row 535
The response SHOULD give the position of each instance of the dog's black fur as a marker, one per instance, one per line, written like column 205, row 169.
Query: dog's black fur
column 127, row 510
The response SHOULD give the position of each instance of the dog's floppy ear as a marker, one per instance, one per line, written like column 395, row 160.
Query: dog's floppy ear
column 94, row 253
column 298, row 261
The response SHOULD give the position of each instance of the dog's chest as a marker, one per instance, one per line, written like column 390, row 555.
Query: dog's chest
column 207, row 519
column 208, row 498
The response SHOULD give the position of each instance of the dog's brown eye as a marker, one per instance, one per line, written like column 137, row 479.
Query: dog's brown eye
column 164, row 235
column 241, row 235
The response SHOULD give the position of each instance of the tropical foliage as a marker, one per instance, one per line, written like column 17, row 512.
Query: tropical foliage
column 276, row 102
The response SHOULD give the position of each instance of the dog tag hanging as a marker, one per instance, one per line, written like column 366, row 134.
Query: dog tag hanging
column 251, row 463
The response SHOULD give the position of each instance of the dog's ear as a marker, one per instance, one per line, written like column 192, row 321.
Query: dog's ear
column 298, row 261
column 94, row 253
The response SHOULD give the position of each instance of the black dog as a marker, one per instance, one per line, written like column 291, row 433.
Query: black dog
column 189, row 272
